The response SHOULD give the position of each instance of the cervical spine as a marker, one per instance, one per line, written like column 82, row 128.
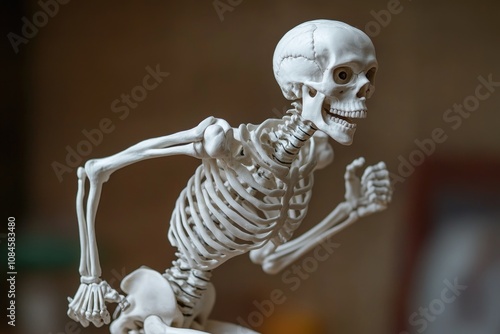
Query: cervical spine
column 291, row 136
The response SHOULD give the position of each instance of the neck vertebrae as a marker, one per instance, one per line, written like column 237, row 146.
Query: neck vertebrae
column 290, row 136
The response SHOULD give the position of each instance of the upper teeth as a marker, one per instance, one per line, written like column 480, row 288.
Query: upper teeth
column 350, row 114
column 342, row 117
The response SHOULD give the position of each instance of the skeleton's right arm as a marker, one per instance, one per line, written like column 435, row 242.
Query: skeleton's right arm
column 212, row 138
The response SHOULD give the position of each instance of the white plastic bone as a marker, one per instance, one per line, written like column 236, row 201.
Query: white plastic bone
column 147, row 293
column 251, row 191
column 89, row 303
column 154, row 325
column 316, row 54
column 363, row 196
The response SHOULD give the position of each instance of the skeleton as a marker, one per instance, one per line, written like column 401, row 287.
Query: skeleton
column 251, row 191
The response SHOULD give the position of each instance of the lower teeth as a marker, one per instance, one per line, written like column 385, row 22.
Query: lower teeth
column 341, row 121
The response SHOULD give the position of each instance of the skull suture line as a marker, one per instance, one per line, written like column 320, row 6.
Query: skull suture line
column 333, row 59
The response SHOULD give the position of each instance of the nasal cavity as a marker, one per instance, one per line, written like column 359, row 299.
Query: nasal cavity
column 364, row 90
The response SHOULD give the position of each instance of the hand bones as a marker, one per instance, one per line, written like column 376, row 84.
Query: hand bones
column 371, row 193
column 89, row 303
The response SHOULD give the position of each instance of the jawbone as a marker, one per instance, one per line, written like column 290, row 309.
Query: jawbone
column 337, row 120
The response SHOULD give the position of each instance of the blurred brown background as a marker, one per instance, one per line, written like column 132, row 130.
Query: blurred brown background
column 63, row 81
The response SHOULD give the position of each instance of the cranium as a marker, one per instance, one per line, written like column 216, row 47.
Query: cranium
column 331, row 61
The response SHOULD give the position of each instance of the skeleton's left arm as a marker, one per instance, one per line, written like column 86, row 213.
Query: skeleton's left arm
column 366, row 195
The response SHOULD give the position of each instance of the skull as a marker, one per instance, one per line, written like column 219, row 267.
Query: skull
column 331, row 61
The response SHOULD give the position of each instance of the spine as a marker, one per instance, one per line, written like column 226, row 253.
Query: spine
column 189, row 286
column 290, row 136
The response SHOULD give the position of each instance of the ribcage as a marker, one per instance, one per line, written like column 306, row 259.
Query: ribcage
column 230, row 207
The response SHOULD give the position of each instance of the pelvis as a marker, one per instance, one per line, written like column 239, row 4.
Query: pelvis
column 148, row 294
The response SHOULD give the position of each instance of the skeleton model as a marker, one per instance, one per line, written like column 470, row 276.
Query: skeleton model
column 250, row 192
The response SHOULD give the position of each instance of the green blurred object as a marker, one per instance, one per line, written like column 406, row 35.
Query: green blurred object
column 36, row 252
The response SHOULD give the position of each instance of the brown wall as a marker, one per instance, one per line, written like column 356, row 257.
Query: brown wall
column 430, row 57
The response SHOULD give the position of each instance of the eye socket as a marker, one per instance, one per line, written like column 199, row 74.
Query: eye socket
column 370, row 74
column 342, row 75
